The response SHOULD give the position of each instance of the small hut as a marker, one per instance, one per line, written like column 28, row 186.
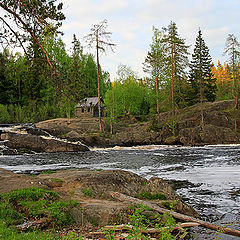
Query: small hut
column 88, row 107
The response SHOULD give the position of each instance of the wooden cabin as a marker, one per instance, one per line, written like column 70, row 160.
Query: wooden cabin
column 88, row 107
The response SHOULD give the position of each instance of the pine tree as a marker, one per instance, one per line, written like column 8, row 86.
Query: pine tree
column 233, row 50
column 178, row 61
column 32, row 18
column 155, row 62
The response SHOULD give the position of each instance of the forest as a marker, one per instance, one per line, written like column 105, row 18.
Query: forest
column 47, row 81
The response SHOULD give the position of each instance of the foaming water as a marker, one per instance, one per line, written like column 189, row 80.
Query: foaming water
column 206, row 177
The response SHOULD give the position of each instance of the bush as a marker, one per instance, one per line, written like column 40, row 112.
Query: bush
column 35, row 203
column 4, row 114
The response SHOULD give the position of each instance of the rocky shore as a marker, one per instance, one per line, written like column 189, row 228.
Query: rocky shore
column 220, row 125
column 91, row 190
column 28, row 139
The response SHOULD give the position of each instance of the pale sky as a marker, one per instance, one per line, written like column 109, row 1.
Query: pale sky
column 131, row 22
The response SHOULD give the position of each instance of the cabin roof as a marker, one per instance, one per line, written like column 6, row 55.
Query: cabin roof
column 88, row 102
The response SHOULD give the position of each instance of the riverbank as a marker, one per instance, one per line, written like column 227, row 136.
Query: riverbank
column 220, row 126
column 206, row 177
column 92, row 205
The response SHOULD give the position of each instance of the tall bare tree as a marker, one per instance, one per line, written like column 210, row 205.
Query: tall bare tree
column 100, row 38
column 232, row 48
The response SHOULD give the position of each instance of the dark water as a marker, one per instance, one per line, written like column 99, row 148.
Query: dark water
column 208, row 178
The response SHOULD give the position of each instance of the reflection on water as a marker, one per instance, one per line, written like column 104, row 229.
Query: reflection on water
column 207, row 177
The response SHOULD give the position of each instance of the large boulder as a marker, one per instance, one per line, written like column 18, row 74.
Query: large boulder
column 208, row 134
column 92, row 188
column 36, row 143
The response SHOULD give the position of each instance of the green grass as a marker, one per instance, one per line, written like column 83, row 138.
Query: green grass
column 48, row 172
column 58, row 180
column 171, row 205
column 18, row 206
column 88, row 192
column 151, row 196
column 8, row 233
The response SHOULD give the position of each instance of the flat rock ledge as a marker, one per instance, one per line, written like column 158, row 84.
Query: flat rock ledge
column 34, row 143
column 91, row 189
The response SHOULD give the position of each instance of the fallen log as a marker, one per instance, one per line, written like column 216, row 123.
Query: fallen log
column 123, row 227
column 182, row 217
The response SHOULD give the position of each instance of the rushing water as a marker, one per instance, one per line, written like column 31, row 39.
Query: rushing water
column 208, row 178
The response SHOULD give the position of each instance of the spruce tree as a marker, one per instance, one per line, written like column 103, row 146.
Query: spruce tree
column 76, row 84
column 203, row 84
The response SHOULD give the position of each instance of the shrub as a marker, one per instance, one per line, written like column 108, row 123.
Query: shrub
column 19, row 205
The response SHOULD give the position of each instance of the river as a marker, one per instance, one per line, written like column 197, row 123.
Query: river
column 208, row 178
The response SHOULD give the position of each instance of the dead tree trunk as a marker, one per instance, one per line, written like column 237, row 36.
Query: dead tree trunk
column 156, row 78
column 97, row 36
column 98, row 80
column 182, row 217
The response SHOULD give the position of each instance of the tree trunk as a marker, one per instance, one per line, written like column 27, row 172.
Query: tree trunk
column 182, row 217
column 173, row 103
column 99, row 96
column 233, row 86
column 156, row 78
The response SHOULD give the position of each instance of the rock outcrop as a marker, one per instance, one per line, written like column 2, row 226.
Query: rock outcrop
column 91, row 189
column 36, row 143
column 220, row 125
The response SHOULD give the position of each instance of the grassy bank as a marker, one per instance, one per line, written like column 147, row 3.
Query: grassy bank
column 37, row 213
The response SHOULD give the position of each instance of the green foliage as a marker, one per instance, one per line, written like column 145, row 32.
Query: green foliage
column 142, row 218
column 30, row 93
column 172, row 125
column 140, row 221
column 171, row 205
column 72, row 236
column 48, row 172
column 4, row 114
column 34, row 113
column 109, row 233
column 151, row 196
column 57, row 180
column 203, row 85
column 177, row 61
column 127, row 98
column 7, row 233
column 88, row 192
column 154, row 126
column 18, row 205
